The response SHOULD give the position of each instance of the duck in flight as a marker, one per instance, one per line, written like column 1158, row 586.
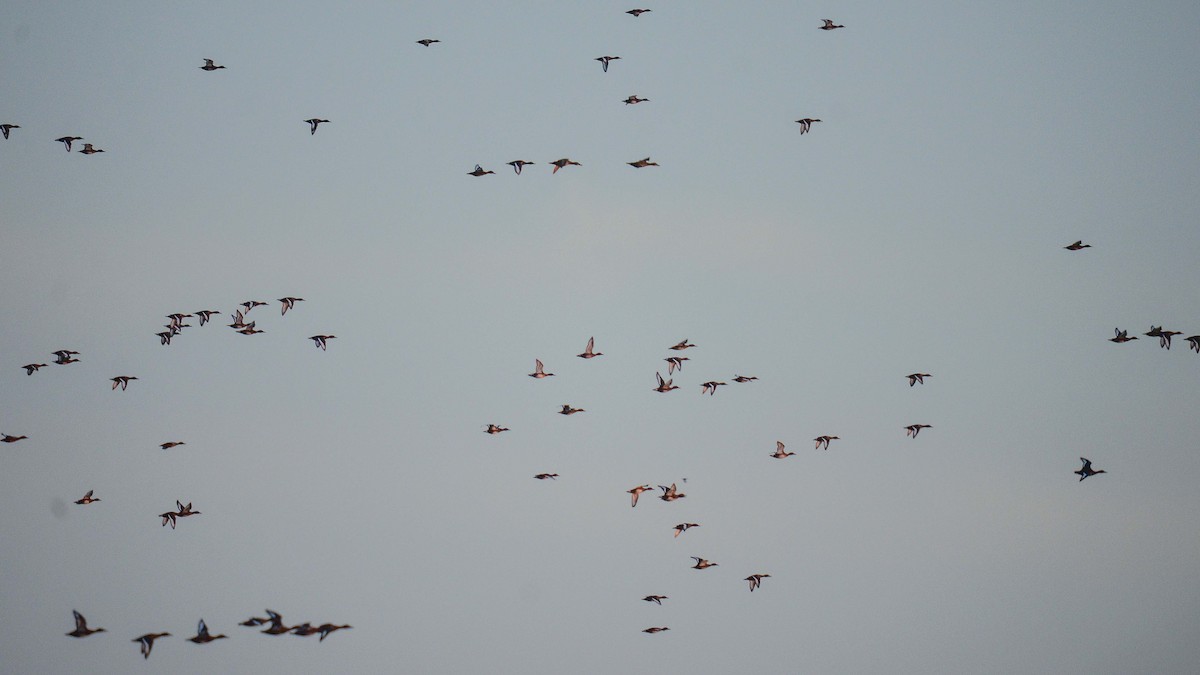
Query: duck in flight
column 321, row 341
column 744, row 378
column 560, row 163
column 588, row 353
column 780, row 453
column 664, row 385
column 642, row 163
column 31, row 368
column 122, row 381
column 756, row 580
column 5, row 128
column 171, row 444
column 604, row 61
column 326, row 628
column 288, row 303
column 518, row 164
column 202, row 636
column 637, row 491
column 88, row 498
column 634, row 100
column 1164, row 339
column 829, row 25
column 89, row 150
column 824, row 441
column 806, row 124
column 568, row 410
column 656, row 599
column 209, row 65
column 655, row 629
column 914, row 429
column 544, row 476
column 147, row 640
column 1121, row 336
column 710, row 388
column 66, row 140
column 1086, row 470
column 1077, row 246
column 916, row 378
column 479, row 171
column 312, row 123
column 276, row 627
column 1194, row 343
column 81, row 627
column 670, row 494
column 206, row 314
column 683, row 527
column 495, row 429
column 637, row 12
column 675, row 363
column 701, row 563
column 11, row 439
column 539, row 371
column 683, row 344
column 427, row 41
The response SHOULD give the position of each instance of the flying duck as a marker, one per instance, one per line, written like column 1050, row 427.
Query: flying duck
column 1164, row 338
column 209, row 65
column 664, row 385
column 642, row 163
column 66, row 140
column 675, row 363
column 710, row 387
column 326, row 628
column 320, row 340
column 638, row 491
column 780, row 453
column 1121, row 336
column 148, row 639
column 655, row 629
column 917, row 378
column 634, row 100
column 656, row 599
column 171, row 444
column 829, row 25
column 670, row 494
column 202, row 635
column 288, row 303
column 756, row 580
column 560, row 163
column 427, row 41
column 683, row 344
column 122, row 381
column 539, row 371
column 604, row 61
column 89, row 150
column 5, row 128
column 683, row 527
column 824, row 441
column 1086, row 470
column 806, row 124
column 276, row 627
column 479, row 171
column 206, row 314
column 312, row 123
column 1193, row 343
column 544, row 476
column 1077, row 246
column 701, row 563
column 518, row 164
column 495, row 429
column 637, row 12
column 588, row 353
column 744, row 378
column 914, row 429
column 88, row 498
column 249, row 305
column 568, row 410
column 11, row 439
column 81, row 627
column 30, row 368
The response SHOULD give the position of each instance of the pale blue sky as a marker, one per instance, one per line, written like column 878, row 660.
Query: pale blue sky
column 918, row 227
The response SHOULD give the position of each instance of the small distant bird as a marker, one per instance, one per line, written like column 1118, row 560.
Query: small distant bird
column 917, row 377
column 1194, row 343
column 701, row 563
column 539, row 371
column 560, row 163
column 206, row 314
column 568, row 410
column 168, row 517
column 670, row 494
column 683, row 344
column 122, row 381
column 305, row 629
column 148, row 639
column 495, row 429
column 185, row 511
column 637, row 491
column 604, row 61
column 656, row 599
column 1086, row 470
column 88, row 498
column 89, row 150
column 829, row 25
column 171, row 444
column 66, row 140
column 30, row 368
column 1164, row 339
column 11, row 439
column 321, row 340
column 914, row 429
column 254, row 621
column 683, row 527
column 743, row 378
column 634, row 100
column 250, row 330
column 544, row 476
column 518, row 164
column 756, row 580
column 209, row 65
column 655, row 629
column 202, row 635
column 780, row 453
column 824, row 441
column 5, row 128
column 1121, row 336
column 81, row 627
column 326, row 628
column 642, row 163
column 288, row 303
column 664, row 385
column 588, row 353
column 426, row 42
column 165, row 337
column 637, row 12
column 479, row 171
column 710, row 387
column 312, row 123
column 675, row 363
column 276, row 627
column 1077, row 245
column 806, row 124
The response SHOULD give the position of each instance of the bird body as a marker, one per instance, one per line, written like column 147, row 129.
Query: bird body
column 568, row 410
column 806, row 124
column 31, row 368
column 824, row 441
column 5, row 128
column 479, row 171
column 66, row 140
column 684, row 527
column 1077, row 246
column 560, row 163
column 321, row 341
column 702, row 564
column 122, row 381
column 914, row 429
column 147, row 640
column 81, row 627
column 829, row 25
column 588, row 353
column 756, row 580
column 1086, row 471
column 544, row 476
column 605, row 60
column 87, row 498
column 518, row 164
column 426, row 42
column 642, row 163
column 664, row 385
column 634, row 100
column 209, row 65
column 539, row 371
column 202, row 636
column 89, row 150
column 917, row 378
column 312, row 123
column 780, row 453
column 637, row 491
column 670, row 494
column 494, row 429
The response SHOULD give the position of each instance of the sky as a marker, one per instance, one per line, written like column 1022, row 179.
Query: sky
column 919, row 227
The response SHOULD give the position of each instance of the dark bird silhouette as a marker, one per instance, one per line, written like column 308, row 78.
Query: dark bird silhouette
column 202, row 636
column 312, row 123
column 1077, row 246
column 209, row 65
column 1086, row 470
column 147, row 640
column 81, row 627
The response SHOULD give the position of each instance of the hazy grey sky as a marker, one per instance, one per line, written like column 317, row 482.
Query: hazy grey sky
column 917, row 228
